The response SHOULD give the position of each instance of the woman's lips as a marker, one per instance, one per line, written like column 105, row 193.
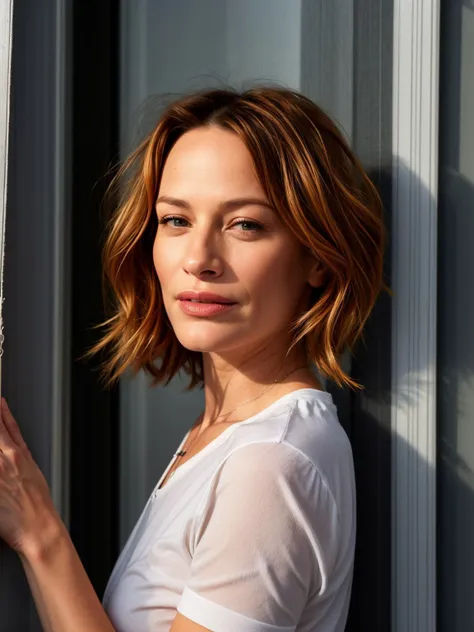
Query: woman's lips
column 204, row 309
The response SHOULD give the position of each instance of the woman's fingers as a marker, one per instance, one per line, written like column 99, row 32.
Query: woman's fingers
column 6, row 440
column 10, row 434
column 25, row 498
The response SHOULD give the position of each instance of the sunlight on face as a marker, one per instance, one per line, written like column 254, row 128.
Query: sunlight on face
column 241, row 252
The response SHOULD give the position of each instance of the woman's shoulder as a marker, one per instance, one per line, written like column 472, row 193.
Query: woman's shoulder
column 313, row 427
column 306, row 420
column 302, row 436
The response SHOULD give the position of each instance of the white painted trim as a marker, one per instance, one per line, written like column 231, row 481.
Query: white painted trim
column 414, row 280
column 6, row 28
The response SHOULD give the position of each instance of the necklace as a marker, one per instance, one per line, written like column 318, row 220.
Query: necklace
column 184, row 452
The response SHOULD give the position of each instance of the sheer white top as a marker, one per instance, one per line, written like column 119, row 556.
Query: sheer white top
column 255, row 533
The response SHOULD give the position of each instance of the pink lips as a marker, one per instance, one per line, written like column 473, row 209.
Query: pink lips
column 208, row 297
column 204, row 309
column 199, row 303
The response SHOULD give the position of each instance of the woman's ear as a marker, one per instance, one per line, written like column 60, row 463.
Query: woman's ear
column 317, row 274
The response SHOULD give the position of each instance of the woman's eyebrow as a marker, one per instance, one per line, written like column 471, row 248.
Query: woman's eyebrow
column 227, row 205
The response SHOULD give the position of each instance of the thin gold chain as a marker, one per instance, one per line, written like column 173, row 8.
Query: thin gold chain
column 183, row 452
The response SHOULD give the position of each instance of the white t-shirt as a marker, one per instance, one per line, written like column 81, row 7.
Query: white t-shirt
column 254, row 533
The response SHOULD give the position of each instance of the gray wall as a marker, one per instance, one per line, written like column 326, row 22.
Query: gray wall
column 35, row 376
column 456, row 318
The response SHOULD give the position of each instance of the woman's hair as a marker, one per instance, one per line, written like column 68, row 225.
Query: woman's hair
column 317, row 187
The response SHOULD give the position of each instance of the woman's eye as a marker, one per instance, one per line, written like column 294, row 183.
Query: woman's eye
column 254, row 226
column 165, row 220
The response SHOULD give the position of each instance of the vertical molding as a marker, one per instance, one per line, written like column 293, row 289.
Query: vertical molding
column 6, row 32
column 327, row 70
column 134, row 393
column 134, row 482
column 94, row 438
column 414, row 266
column 370, row 409
column 36, row 341
column 61, row 239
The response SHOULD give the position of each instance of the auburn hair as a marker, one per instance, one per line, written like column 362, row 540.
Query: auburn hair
column 316, row 185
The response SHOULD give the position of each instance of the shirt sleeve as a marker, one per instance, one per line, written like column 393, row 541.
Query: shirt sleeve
column 266, row 541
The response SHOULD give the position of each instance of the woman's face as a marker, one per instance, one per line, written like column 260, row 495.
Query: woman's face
column 215, row 244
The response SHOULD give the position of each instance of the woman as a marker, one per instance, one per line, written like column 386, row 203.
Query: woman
column 247, row 249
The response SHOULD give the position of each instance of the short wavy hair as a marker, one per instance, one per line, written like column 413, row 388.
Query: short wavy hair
column 315, row 184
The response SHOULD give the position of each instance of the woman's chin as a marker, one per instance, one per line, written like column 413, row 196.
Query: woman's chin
column 205, row 344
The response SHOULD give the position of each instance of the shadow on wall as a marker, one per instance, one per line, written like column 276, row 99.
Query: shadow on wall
column 455, row 401
column 370, row 424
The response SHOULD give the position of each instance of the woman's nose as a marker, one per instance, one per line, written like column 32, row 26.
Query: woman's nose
column 202, row 255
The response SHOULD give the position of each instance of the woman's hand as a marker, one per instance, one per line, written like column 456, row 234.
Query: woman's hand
column 25, row 501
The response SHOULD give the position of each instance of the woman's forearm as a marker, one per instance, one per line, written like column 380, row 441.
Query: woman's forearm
column 64, row 596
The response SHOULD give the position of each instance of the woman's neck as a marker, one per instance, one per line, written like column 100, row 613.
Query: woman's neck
column 239, row 395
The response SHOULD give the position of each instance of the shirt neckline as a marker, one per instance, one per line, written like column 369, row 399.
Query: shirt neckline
column 212, row 445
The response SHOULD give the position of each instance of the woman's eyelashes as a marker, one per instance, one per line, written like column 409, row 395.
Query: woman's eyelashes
column 255, row 226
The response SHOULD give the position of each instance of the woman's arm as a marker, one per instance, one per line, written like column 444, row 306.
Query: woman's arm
column 64, row 596
column 30, row 524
